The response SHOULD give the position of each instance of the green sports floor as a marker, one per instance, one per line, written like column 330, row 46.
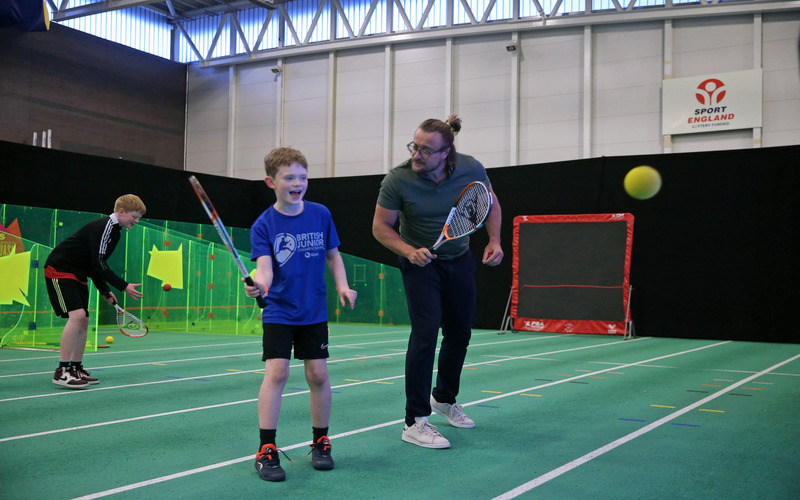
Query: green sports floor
column 558, row 417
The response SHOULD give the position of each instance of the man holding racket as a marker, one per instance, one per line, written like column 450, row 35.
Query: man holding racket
column 292, row 242
column 439, row 285
column 83, row 255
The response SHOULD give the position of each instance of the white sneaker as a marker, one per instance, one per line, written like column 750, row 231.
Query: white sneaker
column 453, row 414
column 69, row 378
column 424, row 434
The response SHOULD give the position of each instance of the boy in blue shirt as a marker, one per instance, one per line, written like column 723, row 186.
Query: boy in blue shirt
column 292, row 241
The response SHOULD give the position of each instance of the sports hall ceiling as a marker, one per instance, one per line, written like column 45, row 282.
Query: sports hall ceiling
column 545, row 13
column 177, row 10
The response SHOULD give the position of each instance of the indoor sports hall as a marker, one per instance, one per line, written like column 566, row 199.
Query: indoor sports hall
column 638, row 339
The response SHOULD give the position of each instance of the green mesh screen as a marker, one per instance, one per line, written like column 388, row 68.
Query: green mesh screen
column 206, row 293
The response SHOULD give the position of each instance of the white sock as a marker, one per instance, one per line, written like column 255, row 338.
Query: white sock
column 421, row 420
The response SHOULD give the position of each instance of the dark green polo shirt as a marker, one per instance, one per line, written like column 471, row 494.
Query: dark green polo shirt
column 424, row 205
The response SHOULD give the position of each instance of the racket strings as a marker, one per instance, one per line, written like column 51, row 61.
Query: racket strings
column 471, row 211
column 128, row 323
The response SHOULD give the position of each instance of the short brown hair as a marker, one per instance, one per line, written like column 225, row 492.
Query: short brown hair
column 130, row 203
column 283, row 157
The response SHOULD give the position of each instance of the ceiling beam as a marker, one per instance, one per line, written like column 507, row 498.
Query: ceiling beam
column 157, row 7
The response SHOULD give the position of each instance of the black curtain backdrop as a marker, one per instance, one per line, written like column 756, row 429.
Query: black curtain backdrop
column 713, row 253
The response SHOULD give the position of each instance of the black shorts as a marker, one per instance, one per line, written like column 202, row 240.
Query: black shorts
column 67, row 295
column 309, row 341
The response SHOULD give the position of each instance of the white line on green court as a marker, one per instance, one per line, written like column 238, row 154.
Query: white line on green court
column 187, row 410
column 172, row 361
column 213, row 357
column 633, row 435
column 249, row 457
column 107, row 352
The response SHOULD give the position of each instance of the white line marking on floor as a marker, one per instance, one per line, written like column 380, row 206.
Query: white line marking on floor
column 633, row 435
column 246, row 458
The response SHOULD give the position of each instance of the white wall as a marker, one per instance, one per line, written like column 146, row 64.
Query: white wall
column 359, row 126
column 567, row 93
column 780, row 54
column 207, row 121
column 256, row 127
column 551, row 96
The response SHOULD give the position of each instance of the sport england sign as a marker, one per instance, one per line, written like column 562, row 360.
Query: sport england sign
column 711, row 103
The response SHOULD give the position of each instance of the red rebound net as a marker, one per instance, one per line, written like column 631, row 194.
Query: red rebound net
column 571, row 273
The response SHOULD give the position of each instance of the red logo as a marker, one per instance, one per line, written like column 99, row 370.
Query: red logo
column 710, row 92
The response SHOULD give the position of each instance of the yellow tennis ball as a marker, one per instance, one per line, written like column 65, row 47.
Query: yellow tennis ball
column 109, row 340
column 642, row 182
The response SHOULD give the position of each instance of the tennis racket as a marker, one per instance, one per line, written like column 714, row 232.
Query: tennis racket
column 129, row 324
column 223, row 234
column 468, row 214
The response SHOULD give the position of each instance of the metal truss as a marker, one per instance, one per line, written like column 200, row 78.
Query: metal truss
column 399, row 25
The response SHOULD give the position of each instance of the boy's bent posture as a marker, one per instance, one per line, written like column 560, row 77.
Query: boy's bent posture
column 83, row 255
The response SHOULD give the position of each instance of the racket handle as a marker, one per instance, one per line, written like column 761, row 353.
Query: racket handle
column 260, row 299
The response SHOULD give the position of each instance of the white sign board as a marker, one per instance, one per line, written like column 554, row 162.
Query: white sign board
column 711, row 103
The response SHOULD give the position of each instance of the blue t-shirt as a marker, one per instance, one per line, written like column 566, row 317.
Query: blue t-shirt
column 298, row 245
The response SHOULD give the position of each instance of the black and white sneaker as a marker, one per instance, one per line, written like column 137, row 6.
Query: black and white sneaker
column 268, row 464
column 68, row 377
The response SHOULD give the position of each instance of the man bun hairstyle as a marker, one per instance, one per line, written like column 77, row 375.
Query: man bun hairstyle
column 448, row 129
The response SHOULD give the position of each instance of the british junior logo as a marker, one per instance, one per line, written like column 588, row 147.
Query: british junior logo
column 310, row 244
column 285, row 246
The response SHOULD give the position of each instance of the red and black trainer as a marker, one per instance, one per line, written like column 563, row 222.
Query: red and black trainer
column 321, row 454
column 268, row 464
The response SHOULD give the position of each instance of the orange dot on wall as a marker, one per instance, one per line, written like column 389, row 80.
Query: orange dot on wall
column 211, row 286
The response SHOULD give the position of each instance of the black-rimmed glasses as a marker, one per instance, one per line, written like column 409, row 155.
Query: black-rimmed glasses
column 422, row 150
